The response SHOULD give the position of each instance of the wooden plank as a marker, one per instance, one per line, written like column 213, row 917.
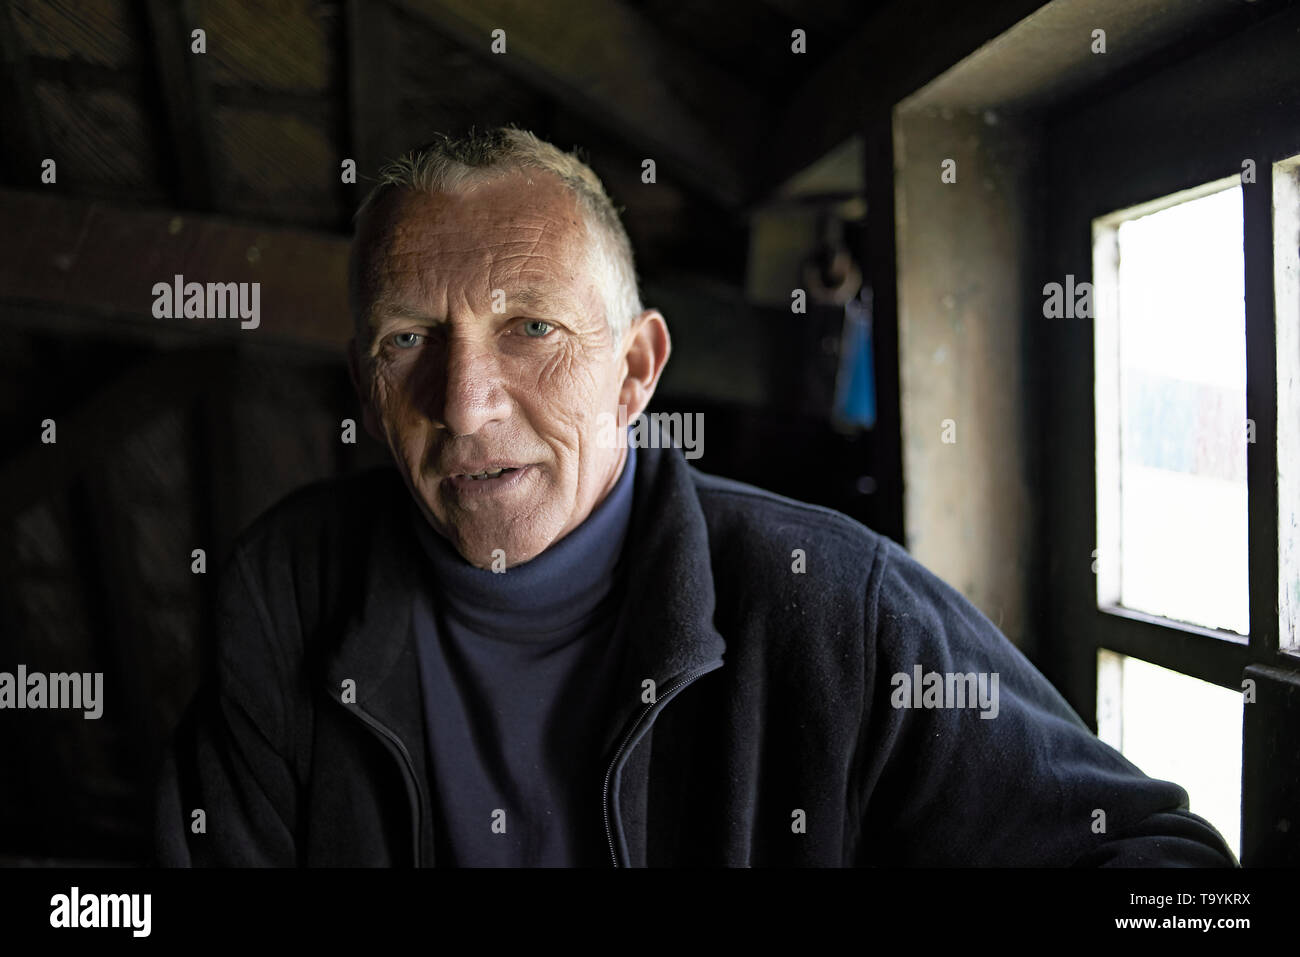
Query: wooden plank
column 22, row 137
column 87, row 31
column 372, row 82
column 282, row 46
column 82, row 76
column 102, row 138
column 105, row 260
column 182, row 82
column 698, row 122
column 280, row 167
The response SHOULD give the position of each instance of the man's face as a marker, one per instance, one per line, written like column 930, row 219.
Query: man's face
column 489, row 349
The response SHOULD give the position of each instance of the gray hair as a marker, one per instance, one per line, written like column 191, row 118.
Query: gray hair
column 450, row 164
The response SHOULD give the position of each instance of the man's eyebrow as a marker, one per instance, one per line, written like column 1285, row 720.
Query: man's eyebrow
column 528, row 297
column 386, row 311
column 531, row 297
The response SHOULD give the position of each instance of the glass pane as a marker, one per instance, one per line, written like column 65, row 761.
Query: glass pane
column 1286, row 273
column 1171, row 405
column 1176, row 728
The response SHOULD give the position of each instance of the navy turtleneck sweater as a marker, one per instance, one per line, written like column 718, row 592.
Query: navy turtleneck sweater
column 515, row 669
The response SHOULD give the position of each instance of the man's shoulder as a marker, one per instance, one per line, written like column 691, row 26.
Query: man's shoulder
column 751, row 524
column 310, row 557
column 751, row 510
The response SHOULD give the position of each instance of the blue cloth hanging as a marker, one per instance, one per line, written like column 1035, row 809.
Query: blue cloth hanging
column 855, row 382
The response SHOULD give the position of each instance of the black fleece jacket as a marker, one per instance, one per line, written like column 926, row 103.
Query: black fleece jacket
column 775, row 736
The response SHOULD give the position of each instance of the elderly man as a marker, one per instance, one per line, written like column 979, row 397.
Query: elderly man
column 529, row 645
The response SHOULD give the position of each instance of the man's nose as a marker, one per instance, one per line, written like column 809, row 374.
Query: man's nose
column 471, row 392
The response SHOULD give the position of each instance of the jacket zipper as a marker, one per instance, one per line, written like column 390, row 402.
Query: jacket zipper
column 659, row 704
column 395, row 744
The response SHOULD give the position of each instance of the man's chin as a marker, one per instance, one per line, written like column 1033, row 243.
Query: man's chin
column 496, row 545
column 496, row 555
column 486, row 538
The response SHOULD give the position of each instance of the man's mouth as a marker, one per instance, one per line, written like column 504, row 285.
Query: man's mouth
column 492, row 473
column 486, row 477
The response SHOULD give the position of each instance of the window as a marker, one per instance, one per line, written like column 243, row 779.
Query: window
column 1172, row 430
column 1178, row 729
column 1172, row 447
column 1172, row 487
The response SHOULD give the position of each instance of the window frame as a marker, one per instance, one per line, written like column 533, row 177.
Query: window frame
column 1187, row 125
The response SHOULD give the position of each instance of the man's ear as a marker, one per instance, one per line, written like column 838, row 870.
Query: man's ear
column 369, row 417
column 648, row 348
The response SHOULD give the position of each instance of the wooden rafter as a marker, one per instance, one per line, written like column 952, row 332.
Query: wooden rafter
column 22, row 136
column 104, row 260
column 609, row 62
column 187, row 99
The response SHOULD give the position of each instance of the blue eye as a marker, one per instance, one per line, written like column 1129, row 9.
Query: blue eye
column 407, row 340
column 536, row 328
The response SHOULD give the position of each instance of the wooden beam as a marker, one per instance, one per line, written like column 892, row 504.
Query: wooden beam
column 606, row 60
column 888, row 59
column 182, row 82
column 373, row 81
column 74, row 255
column 22, row 137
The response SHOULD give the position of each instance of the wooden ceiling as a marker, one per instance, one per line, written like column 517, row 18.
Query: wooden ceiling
column 256, row 127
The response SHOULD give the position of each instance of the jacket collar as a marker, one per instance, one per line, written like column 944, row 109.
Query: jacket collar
column 667, row 611
column 666, row 620
column 667, row 617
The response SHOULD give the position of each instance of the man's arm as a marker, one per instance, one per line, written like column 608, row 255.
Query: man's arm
column 227, row 760
column 1014, row 779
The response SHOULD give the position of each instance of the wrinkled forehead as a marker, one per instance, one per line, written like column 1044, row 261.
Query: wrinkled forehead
column 503, row 230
